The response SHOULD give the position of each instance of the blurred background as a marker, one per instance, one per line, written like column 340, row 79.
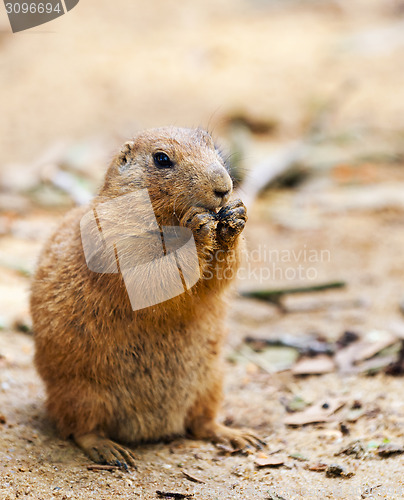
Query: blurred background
column 307, row 97
column 309, row 94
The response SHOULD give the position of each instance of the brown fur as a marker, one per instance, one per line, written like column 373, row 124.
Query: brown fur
column 113, row 374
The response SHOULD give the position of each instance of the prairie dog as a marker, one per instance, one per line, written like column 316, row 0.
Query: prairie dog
column 118, row 374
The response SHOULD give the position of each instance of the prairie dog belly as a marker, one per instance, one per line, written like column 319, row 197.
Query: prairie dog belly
column 159, row 384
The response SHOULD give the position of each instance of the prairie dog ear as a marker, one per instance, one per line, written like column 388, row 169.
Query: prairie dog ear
column 124, row 156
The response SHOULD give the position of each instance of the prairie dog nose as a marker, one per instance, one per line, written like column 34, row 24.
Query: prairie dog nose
column 221, row 194
column 222, row 184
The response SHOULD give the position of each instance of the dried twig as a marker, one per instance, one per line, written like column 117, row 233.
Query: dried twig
column 305, row 346
column 167, row 494
column 192, row 478
column 100, row 467
column 294, row 152
column 271, row 295
column 270, row 169
column 275, row 296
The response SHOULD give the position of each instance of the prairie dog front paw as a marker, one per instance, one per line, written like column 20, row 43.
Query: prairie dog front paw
column 202, row 223
column 231, row 221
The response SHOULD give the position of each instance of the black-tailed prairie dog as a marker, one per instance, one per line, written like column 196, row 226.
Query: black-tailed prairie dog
column 124, row 364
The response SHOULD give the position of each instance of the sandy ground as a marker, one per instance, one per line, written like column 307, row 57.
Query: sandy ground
column 93, row 77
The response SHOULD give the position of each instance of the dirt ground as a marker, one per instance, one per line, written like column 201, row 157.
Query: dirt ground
column 259, row 74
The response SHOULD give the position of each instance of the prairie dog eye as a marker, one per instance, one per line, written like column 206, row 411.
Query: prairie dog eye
column 162, row 160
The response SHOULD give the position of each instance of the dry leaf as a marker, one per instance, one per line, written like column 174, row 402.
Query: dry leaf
column 321, row 412
column 388, row 449
column 356, row 449
column 364, row 349
column 319, row 467
column 314, row 366
column 267, row 461
column 370, row 349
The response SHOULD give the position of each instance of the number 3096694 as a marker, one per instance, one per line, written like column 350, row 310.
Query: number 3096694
column 32, row 8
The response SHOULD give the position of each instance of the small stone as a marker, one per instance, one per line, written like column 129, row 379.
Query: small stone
column 355, row 449
column 336, row 470
column 389, row 449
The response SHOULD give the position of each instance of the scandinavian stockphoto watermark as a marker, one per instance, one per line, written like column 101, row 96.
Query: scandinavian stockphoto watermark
column 264, row 264
column 123, row 236
column 27, row 14
column 158, row 263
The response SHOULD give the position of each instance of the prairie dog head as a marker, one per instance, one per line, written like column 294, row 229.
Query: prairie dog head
column 179, row 167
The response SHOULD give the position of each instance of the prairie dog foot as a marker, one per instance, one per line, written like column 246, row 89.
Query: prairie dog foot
column 237, row 438
column 104, row 451
column 231, row 220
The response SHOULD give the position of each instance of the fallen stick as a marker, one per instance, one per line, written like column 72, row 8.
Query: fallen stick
column 102, row 467
column 307, row 347
column 275, row 296
column 267, row 171
column 168, row 494
column 287, row 157
column 192, row 478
